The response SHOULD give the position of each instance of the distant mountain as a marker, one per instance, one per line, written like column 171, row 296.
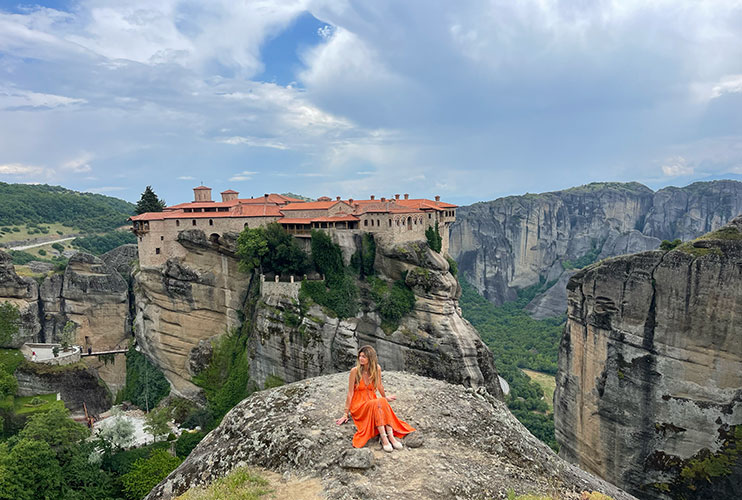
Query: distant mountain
column 511, row 243
column 24, row 203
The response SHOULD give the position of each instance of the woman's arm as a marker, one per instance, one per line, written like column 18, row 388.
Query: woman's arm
column 348, row 398
column 381, row 387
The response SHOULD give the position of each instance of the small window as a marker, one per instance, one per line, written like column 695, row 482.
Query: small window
column 390, row 222
column 177, row 223
column 211, row 222
column 194, row 222
column 378, row 222
column 157, row 251
column 365, row 222
column 428, row 216
column 162, row 238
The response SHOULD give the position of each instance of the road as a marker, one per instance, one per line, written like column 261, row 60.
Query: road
column 26, row 247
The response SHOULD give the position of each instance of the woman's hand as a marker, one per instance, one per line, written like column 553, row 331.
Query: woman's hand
column 342, row 420
column 391, row 397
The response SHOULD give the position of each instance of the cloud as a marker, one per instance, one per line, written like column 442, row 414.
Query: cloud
column 106, row 189
column 15, row 98
column 243, row 176
column 676, row 167
column 186, row 178
column 731, row 84
column 252, row 141
column 80, row 164
column 20, row 169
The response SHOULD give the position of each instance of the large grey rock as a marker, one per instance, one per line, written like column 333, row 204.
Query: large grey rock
column 122, row 259
column 553, row 302
column 474, row 447
column 511, row 243
column 650, row 369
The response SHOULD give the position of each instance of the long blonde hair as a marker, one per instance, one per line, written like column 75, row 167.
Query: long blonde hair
column 373, row 365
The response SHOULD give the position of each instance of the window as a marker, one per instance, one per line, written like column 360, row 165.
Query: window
column 177, row 223
column 157, row 251
column 428, row 216
column 378, row 222
column 211, row 222
column 194, row 222
column 365, row 222
column 390, row 222
column 162, row 238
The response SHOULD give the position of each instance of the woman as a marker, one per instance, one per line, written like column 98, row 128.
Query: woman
column 372, row 416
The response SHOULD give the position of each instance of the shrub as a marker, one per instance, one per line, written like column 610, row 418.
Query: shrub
column 453, row 267
column 393, row 302
column 146, row 473
column 10, row 322
column 271, row 249
column 272, row 381
column 668, row 245
column 187, row 442
column 339, row 292
column 57, row 246
column 42, row 252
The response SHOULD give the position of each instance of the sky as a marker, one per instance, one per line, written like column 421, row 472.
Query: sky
column 470, row 100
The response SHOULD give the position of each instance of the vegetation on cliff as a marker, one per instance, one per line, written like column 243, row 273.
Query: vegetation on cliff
column 518, row 341
column 98, row 244
column 145, row 383
column 23, row 203
column 271, row 249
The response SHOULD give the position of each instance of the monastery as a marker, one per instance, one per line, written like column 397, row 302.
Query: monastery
column 400, row 217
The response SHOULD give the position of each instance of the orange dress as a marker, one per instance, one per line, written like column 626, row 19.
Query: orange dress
column 370, row 412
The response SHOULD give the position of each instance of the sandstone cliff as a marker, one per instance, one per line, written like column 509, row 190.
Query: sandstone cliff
column 433, row 340
column 515, row 242
column 649, row 388
column 467, row 445
column 89, row 293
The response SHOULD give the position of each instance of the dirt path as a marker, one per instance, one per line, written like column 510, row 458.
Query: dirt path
column 26, row 247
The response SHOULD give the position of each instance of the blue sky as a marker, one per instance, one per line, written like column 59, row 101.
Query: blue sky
column 471, row 100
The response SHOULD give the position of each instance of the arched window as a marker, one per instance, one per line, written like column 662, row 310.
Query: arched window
column 390, row 222
column 177, row 223
column 365, row 222
column 194, row 222
column 211, row 222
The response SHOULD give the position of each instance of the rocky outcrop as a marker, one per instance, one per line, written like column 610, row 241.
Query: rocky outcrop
column 515, row 242
column 22, row 293
column 122, row 259
column 467, row 445
column 434, row 340
column 649, row 388
column 186, row 301
column 76, row 384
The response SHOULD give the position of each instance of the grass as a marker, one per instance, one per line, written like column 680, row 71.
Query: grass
column 22, row 404
column 11, row 359
column 240, row 484
column 546, row 382
column 22, row 233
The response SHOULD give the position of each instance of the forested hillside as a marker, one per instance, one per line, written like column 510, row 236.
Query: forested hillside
column 24, row 204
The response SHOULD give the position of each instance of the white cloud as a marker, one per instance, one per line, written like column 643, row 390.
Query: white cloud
column 731, row 84
column 252, row 141
column 14, row 98
column 677, row 166
column 106, row 189
column 245, row 175
column 80, row 164
column 186, row 178
column 23, row 170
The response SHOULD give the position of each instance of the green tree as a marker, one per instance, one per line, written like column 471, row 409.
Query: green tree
column 8, row 383
column 252, row 248
column 54, row 427
column 146, row 473
column 271, row 249
column 10, row 322
column 68, row 335
column 149, row 202
column 145, row 383
column 156, row 422
column 668, row 245
column 30, row 471
column 83, row 479
column 117, row 435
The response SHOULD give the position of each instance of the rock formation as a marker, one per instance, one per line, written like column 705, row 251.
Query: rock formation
column 515, row 242
column 467, row 445
column 187, row 301
column 89, row 293
column 434, row 340
column 649, row 388
column 24, row 294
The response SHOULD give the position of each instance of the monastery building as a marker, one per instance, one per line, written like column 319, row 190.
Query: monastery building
column 399, row 217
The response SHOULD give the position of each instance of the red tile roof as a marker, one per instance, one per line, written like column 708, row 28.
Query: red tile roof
column 309, row 220
column 311, row 205
column 229, row 191
column 425, row 204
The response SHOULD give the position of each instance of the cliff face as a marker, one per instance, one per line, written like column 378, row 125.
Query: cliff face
column 184, row 304
column 90, row 293
column 188, row 301
column 433, row 340
column 650, row 369
column 514, row 242
column 467, row 445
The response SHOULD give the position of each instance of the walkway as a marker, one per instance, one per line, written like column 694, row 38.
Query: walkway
column 26, row 247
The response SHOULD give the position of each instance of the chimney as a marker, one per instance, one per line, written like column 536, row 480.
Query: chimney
column 437, row 199
column 372, row 196
column 350, row 201
column 202, row 193
column 396, row 196
column 266, row 196
column 383, row 199
column 229, row 195
column 406, row 196
column 337, row 198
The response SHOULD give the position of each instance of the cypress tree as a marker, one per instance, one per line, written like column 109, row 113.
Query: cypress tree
column 149, row 202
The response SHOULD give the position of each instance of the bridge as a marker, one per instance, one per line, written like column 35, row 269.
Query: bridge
column 117, row 351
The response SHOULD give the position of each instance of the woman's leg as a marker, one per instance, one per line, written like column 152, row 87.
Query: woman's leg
column 390, row 435
column 385, row 444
